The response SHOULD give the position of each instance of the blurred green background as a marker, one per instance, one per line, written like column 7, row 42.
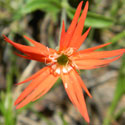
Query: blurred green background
column 41, row 20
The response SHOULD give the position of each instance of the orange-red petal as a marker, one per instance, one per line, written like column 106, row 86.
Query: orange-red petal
column 98, row 54
column 25, row 49
column 48, row 86
column 79, row 28
column 36, row 82
column 93, row 63
column 75, row 93
column 45, row 69
column 36, row 58
column 40, row 46
column 43, row 86
column 77, row 43
column 92, row 48
column 39, row 52
column 80, row 81
column 69, row 33
column 62, row 36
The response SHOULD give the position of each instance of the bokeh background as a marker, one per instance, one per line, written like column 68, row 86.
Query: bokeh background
column 41, row 20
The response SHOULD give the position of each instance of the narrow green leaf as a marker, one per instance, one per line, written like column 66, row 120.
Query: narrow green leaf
column 120, row 90
column 118, row 37
column 51, row 6
column 98, row 21
column 93, row 19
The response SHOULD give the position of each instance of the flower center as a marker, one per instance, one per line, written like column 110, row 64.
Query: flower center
column 62, row 60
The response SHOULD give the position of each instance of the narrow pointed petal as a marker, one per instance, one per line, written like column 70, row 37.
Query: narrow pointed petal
column 76, row 44
column 80, row 97
column 79, row 28
column 75, row 18
column 33, row 85
column 45, row 69
column 23, row 56
column 71, row 28
column 44, row 49
column 75, row 93
column 51, row 79
column 80, row 81
column 62, row 43
column 22, row 48
column 36, row 58
column 48, row 86
column 82, row 64
column 92, row 49
column 69, row 89
column 98, row 54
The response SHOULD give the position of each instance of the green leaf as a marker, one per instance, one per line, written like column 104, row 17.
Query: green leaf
column 98, row 21
column 119, row 92
column 93, row 19
column 118, row 37
column 121, row 81
column 51, row 6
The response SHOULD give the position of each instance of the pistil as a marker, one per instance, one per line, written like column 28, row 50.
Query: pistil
column 63, row 59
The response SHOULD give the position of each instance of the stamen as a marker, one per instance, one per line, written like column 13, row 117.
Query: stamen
column 76, row 67
column 66, row 85
column 54, row 66
column 52, row 58
column 45, row 61
column 62, row 62
column 66, row 69
column 48, row 49
column 69, row 51
column 58, row 71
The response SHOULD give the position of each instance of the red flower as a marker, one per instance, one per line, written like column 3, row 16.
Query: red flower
column 64, row 63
